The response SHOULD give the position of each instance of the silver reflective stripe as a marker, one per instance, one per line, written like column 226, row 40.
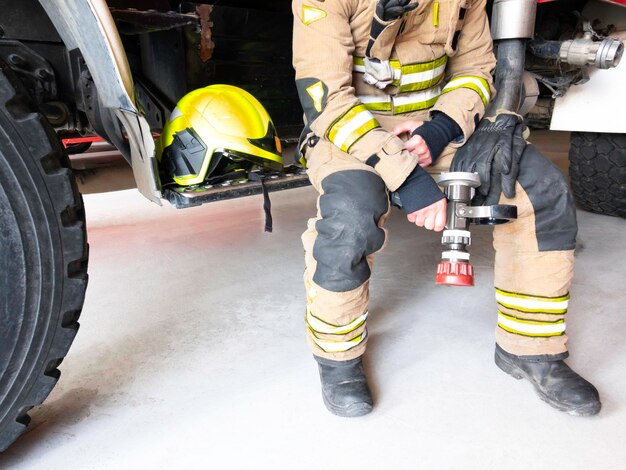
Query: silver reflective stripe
column 478, row 84
column 416, row 101
column 359, row 68
column 422, row 76
column 353, row 125
column 369, row 99
column 402, row 103
column 531, row 304
column 322, row 327
column 529, row 327
column 376, row 103
column 338, row 346
column 402, row 77
column 397, row 71
column 416, row 97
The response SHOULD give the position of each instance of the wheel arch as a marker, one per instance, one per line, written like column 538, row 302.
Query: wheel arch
column 87, row 25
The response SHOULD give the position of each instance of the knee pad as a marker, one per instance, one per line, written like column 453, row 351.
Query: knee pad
column 351, row 206
column 552, row 201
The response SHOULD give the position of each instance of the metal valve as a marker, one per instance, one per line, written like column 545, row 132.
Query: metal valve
column 460, row 187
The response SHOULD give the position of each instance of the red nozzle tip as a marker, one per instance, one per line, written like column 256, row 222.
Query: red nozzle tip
column 455, row 274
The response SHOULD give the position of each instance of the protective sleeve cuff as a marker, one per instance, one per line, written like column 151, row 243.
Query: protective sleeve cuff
column 465, row 107
column 438, row 132
column 419, row 191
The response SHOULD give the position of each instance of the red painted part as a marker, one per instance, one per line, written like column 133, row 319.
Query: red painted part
column 93, row 138
column 454, row 274
column 80, row 140
column 617, row 2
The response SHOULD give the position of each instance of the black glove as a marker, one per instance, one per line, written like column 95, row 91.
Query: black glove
column 493, row 151
column 388, row 10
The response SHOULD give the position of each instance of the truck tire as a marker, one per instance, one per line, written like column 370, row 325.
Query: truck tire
column 598, row 172
column 43, row 258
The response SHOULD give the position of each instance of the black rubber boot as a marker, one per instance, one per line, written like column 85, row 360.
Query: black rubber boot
column 554, row 382
column 344, row 387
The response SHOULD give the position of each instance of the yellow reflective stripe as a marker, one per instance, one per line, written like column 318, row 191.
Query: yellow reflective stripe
column 436, row 14
column 411, row 77
column 351, row 126
column 428, row 79
column 337, row 346
column 549, row 311
column 359, row 65
column 532, row 328
column 408, row 108
column 379, row 106
column 403, row 103
column 322, row 327
column 526, row 321
column 532, row 304
column 424, row 66
column 478, row 84
column 422, row 75
column 397, row 72
column 316, row 92
column 409, row 102
column 376, row 103
column 518, row 295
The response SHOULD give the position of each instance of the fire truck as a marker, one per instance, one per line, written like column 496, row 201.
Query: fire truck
column 74, row 71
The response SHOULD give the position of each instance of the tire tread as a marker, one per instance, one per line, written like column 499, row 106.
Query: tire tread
column 67, row 201
column 595, row 160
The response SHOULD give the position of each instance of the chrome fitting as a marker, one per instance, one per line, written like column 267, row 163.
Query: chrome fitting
column 584, row 51
column 513, row 19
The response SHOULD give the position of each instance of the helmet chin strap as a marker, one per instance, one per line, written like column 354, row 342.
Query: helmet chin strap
column 267, row 204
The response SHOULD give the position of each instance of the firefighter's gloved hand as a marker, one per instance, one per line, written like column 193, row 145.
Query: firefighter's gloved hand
column 388, row 10
column 493, row 151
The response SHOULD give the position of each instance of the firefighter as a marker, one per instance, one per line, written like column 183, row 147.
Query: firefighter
column 390, row 88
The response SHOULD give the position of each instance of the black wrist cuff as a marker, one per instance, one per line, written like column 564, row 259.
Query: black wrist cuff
column 438, row 132
column 419, row 190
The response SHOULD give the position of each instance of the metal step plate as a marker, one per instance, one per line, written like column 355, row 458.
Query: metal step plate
column 183, row 197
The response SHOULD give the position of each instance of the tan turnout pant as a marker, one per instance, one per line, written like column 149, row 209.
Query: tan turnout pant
column 533, row 265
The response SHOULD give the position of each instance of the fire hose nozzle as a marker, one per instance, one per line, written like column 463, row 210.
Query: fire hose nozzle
column 455, row 274
column 460, row 187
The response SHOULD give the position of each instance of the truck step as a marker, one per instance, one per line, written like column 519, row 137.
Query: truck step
column 183, row 197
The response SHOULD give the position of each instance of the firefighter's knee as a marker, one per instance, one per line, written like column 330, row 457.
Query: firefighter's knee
column 351, row 206
column 551, row 199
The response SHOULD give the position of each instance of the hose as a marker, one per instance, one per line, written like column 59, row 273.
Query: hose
column 545, row 49
column 509, row 75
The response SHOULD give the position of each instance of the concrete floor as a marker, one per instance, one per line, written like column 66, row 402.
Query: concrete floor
column 191, row 353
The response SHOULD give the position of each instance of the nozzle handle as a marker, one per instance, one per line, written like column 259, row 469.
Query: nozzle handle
column 490, row 215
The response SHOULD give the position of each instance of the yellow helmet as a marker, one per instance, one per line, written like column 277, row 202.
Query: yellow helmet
column 214, row 122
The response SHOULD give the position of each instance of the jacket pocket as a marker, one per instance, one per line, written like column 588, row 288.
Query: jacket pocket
column 435, row 21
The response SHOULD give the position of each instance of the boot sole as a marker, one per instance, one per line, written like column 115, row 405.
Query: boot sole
column 353, row 411
column 514, row 371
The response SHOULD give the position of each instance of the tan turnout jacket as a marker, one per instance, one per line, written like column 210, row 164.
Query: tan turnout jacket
column 441, row 59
